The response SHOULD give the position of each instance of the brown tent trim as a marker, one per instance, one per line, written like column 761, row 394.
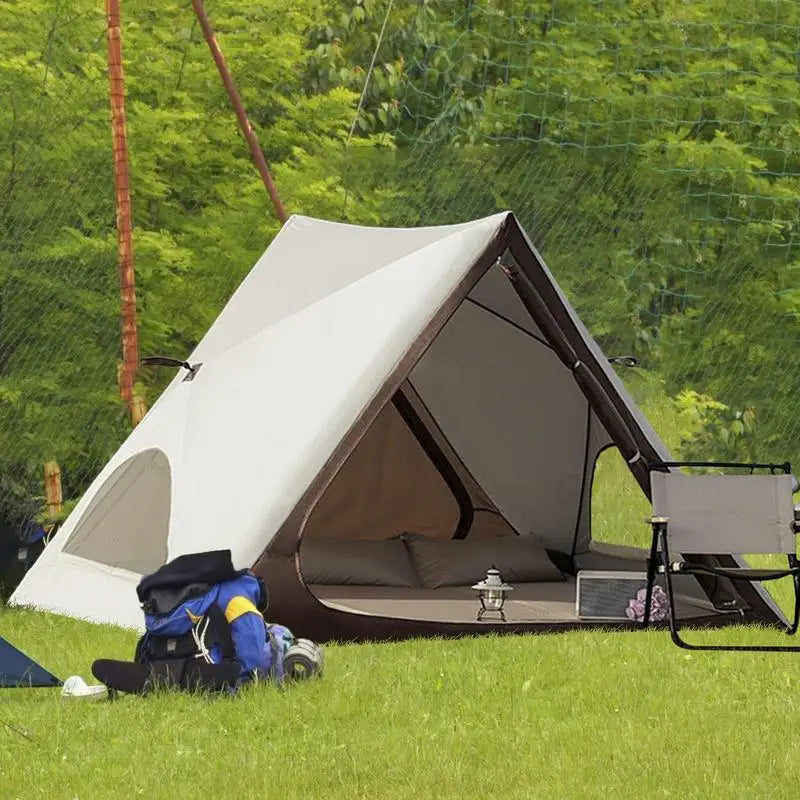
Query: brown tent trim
column 437, row 457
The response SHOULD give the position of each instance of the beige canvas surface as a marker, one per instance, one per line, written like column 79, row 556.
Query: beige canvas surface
column 533, row 602
column 528, row 602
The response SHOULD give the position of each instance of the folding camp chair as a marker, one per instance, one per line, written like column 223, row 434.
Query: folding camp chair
column 721, row 514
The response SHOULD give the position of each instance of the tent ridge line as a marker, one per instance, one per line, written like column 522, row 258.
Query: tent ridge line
column 510, row 322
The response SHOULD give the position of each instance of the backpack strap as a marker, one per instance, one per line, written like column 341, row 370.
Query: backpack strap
column 208, row 630
column 222, row 632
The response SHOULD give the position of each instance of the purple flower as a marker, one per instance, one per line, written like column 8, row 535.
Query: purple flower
column 659, row 607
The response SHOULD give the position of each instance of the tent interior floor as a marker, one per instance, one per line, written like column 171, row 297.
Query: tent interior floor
column 527, row 603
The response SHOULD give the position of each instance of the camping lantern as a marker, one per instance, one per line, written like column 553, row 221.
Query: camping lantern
column 492, row 594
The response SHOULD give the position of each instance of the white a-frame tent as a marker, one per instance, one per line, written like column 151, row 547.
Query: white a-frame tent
column 376, row 417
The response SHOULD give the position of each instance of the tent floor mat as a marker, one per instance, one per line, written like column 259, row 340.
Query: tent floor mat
column 527, row 603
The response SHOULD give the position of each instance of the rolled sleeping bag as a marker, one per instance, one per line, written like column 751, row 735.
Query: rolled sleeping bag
column 304, row 659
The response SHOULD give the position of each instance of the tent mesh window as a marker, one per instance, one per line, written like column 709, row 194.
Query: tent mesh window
column 127, row 523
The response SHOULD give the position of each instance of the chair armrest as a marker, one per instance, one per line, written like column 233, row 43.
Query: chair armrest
column 784, row 467
column 733, row 573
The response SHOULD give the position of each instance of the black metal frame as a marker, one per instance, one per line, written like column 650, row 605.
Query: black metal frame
column 483, row 611
column 784, row 467
column 668, row 569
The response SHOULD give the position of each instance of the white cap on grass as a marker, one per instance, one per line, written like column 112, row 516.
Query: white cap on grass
column 76, row 687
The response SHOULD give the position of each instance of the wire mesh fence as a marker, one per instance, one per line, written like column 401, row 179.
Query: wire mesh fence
column 651, row 150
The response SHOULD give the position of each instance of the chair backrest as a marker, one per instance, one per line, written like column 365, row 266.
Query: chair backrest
column 725, row 513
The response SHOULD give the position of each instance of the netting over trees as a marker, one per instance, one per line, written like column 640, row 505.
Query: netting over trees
column 199, row 211
column 651, row 149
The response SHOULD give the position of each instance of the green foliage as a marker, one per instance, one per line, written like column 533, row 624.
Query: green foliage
column 713, row 427
column 200, row 213
column 652, row 151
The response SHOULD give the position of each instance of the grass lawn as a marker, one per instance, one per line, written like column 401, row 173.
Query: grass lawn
column 579, row 715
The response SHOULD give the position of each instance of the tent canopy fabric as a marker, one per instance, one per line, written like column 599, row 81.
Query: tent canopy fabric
column 360, row 383
column 18, row 670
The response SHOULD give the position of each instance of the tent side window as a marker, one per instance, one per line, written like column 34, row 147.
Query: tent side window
column 127, row 523
column 619, row 508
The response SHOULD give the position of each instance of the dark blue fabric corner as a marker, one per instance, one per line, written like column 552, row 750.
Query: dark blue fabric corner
column 17, row 670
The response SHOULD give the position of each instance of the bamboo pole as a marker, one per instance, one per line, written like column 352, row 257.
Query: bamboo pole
column 138, row 408
column 52, row 488
column 116, row 84
column 238, row 107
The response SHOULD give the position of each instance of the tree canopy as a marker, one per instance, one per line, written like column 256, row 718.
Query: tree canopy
column 651, row 149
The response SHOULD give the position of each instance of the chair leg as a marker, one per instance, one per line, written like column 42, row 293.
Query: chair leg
column 673, row 623
column 792, row 629
column 651, row 576
column 673, row 617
